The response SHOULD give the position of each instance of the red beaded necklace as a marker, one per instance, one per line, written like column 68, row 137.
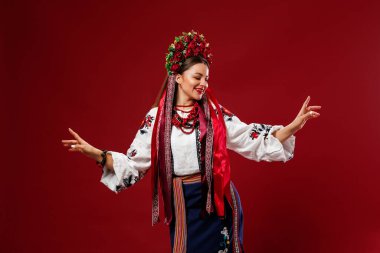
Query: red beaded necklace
column 184, row 123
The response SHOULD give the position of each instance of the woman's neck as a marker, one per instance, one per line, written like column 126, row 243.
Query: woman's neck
column 184, row 101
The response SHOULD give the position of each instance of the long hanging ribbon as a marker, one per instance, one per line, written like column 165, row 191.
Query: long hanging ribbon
column 161, row 155
column 221, row 161
column 206, row 139
column 154, row 161
column 165, row 155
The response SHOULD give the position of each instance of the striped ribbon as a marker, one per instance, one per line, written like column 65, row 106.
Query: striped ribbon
column 180, row 237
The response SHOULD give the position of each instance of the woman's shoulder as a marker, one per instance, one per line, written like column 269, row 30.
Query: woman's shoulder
column 147, row 121
column 153, row 111
column 214, row 106
column 220, row 106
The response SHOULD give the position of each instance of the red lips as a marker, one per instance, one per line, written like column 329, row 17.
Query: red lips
column 200, row 91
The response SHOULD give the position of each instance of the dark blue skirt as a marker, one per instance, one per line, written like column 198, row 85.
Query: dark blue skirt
column 211, row 234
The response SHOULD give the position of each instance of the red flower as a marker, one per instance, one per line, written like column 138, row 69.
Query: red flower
column 202, row 45
column 177, row 57
column 189, row 52
column 197, row 50
column 187, row 39
column 179, row 46
column 174, row 67
column 254, row 135
column 192, row 44
column 133, row 153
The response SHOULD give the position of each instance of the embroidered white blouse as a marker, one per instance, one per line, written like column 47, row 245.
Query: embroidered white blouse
column 253, row 141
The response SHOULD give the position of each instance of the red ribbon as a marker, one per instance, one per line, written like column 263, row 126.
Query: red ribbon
column 154, row 166
column 221, row 160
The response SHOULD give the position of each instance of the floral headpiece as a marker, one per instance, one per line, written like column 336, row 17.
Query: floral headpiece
column 184, row 46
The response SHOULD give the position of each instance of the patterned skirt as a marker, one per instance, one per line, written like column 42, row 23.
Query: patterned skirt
column 189, row 233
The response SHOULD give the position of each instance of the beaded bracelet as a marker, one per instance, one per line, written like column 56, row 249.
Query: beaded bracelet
column 104, row 159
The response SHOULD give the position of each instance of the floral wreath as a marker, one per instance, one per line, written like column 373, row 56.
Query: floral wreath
column 184, row 46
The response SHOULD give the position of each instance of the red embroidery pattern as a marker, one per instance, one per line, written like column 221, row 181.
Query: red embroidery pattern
column 130, row 181
column 257, row 129
column 132, row 153
column 254, row 135
column 146, row 123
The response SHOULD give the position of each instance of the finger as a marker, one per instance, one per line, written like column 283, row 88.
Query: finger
column 76, row 136
column 310, row 114
column 313, row 107
column 76, row 147
column 68, row 144
column 69, row 141
column 304, row 105
column 307, row 101
column 306, row 116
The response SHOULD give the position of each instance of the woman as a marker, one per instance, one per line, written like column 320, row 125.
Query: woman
column 183, row 140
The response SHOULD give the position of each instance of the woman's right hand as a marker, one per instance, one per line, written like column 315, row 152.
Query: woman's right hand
column 80, row 145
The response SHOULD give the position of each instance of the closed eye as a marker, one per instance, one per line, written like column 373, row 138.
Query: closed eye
column 200, row 79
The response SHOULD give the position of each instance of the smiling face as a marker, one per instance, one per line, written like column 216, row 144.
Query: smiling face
column 192, row 83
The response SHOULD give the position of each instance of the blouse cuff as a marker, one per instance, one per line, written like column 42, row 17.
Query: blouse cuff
column 114, row 179
column 280, row 151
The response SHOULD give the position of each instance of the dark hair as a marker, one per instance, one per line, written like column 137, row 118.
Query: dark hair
column 188, row 63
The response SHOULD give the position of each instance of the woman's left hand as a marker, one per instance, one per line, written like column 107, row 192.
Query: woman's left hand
column 305, row 114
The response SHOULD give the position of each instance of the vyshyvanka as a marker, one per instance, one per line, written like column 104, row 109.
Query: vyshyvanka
column 202, row 217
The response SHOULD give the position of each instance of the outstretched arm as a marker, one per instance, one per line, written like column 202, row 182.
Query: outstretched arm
column 121, row 170
column 256, row 141
column 131, row 167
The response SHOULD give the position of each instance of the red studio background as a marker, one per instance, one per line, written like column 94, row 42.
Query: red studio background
column 97, row 66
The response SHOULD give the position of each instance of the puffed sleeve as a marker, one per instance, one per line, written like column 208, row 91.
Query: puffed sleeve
column 255, row 141
column 133, row 165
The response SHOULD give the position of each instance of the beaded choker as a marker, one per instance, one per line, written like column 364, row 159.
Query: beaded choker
column 184, row 123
